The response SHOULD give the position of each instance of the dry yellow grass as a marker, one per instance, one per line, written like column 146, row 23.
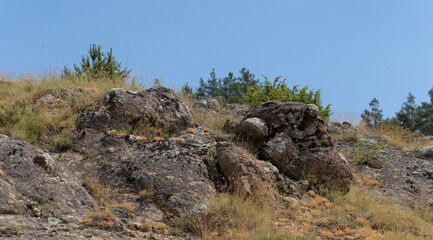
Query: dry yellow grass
column 397, row 136
column 361, row 214
column 48, row 127
column 158, row 138
column 177, row 139
column 100, row 218
column 211, row 121
column 141, row 138
column 99, row 192
column 127, row 206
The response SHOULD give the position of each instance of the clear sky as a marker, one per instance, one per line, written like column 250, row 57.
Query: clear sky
column 351, row 50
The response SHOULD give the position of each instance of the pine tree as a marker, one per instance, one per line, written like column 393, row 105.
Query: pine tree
column 97, row 65
column 408, row 113
column 424, row 121
column 374, row 116
column 201, row 90
column 213, row 85
column 247, row 80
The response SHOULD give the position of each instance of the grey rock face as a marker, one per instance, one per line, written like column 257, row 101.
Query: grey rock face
column 239, row 109
column 175, row 172
column 425, row 152
column 283, row 153
column 157, row 106
column 298, row 143
column 210, row 104
column 341, row 128
column 31, row 178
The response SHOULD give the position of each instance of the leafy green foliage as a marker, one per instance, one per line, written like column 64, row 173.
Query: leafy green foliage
column 374, row 116
column 278, row 90
column 363, row 151
column 97, row 65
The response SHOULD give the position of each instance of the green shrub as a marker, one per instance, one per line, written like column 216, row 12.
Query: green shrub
column 363, row 151
column 98, row 65
column 278, row 90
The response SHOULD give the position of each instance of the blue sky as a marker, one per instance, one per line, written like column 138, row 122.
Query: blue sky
column 351, row 50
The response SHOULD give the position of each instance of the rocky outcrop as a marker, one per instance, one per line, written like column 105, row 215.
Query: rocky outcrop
column 157, row 107
column 425, row 152
column 175, row 172
column 341, row 128
column 239, row 109
column 246, row 174
column 298, row 143
column 209, row 104
column 31, row 178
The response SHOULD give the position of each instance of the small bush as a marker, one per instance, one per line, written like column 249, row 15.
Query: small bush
column 364, row 151
column 278, row 90
column 98, row 65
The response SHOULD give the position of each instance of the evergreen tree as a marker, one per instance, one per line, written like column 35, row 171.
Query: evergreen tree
column 247, row 80
column 424, row 120
column 213, row 85
column 408, row 113
column 186, row 91
column 97, row 65
column 201, row 90
column 374, row 116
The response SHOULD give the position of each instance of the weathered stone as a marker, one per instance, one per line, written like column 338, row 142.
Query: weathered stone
column 175, row 172
column 29, row 181
column 299, row 145
column 246, row 174
column 239, row 109
column 231, row 127
column 424, row 152
column 46, row 161
column 98, row 119
column 157, row 107
column 282, row 152
column 254, row 128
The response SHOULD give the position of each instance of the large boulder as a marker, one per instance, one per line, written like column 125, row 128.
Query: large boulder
column 246, row 174
column 31, row 178
column 298, row 143
column 157, row 107
column 254, row 128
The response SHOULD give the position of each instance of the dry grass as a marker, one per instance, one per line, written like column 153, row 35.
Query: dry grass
column 100, row 218
column 360, row 214
column 348, row 137
column 20, row 117
column 102, row 194
column 212, row 120
column 362, row 210
column 398, row 136
column 234, row 217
